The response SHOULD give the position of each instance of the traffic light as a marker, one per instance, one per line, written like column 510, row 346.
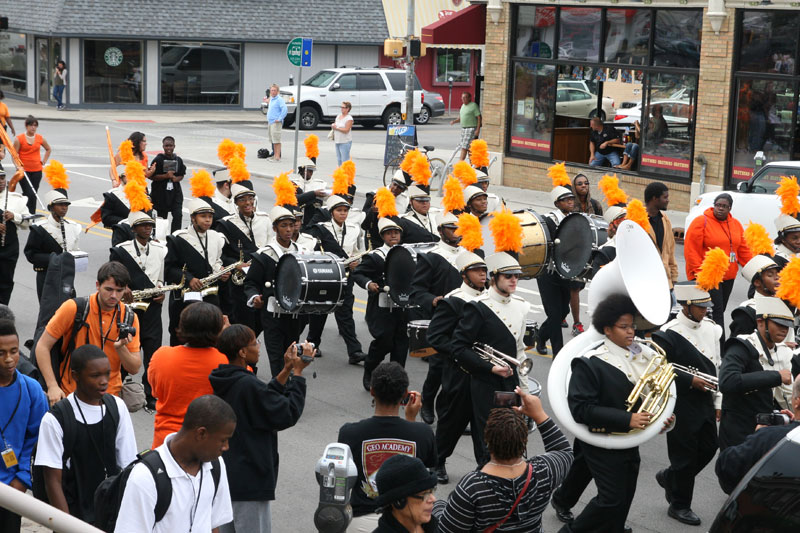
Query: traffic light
column 415, row 48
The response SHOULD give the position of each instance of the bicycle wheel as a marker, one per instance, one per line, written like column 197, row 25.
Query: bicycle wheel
column 438, row 174
column 390, row 169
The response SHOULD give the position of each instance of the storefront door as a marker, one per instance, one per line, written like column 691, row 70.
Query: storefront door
column 42, row 70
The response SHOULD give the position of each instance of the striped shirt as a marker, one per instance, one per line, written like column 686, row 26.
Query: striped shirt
column 481, row 501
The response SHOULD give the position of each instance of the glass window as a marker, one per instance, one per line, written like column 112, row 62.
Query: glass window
column 627, row 36
column 763, row 123
column 453, row 64
column 370, row 82
column 112, row 71
column 347, row 82
column 580, row 33
column 398, row 81
column 768, row 41
column 532, row 108
column 677, row 42
column 200, row 73
column 320, row 79
column 536, row 32
column 13, row 63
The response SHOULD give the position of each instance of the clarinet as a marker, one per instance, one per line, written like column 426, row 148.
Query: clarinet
column 5, row 223
column 63, row 233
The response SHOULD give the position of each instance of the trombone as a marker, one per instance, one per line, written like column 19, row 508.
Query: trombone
column 498, row 358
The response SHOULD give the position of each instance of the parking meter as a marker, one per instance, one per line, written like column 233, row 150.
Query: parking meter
column 759, row 159
column 450, row 94
column 337, row 475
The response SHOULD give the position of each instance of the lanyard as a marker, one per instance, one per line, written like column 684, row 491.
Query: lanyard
column 204, row 246
column 100, row 455
column 344, row 233
column 193, row 511
column 727, row 233
column 248, row 226
column 63, row 233
column 104, row 338
column 139, row 254
column 421, row 223
column 14, row 412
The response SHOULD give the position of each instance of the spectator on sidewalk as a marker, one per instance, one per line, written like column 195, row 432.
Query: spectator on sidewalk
column 29, row 147
column 85, row 438
column 166, row 191
column 5, row 117
column 656, row 200
column 59, row 83
column 275, row 115
column 342, row 136
column 470, row 118
column 22, row 406
column 200, row 500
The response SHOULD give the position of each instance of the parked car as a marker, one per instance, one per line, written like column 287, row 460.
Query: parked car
column 374, row 93
column 676, row 112
column 581, row 104
column 590, row 86
column 755, row 199
column 432, row 106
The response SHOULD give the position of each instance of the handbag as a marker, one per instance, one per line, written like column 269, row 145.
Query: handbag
column 330, row 135
column 491, row 529
column 132, row 394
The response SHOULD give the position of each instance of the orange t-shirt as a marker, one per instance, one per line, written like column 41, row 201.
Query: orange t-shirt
column 30, row 154
column 4, row 114
column 61, row 326
column 178, row 375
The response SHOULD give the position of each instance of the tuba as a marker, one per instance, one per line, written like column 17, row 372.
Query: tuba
column 639, row 273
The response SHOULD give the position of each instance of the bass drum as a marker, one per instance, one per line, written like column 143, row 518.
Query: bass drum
column 537, row 243
column 310, row 283
column 401, row 261
column 578, row 237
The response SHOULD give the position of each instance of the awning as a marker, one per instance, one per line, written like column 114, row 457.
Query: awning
column 467, row 26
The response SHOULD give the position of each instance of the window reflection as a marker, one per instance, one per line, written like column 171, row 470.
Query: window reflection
column 112, row 71
column 200, row 73
column 536, row 31
column 13, row 63
column 453, row 64
column 677, row 41
column 531, row 110
column 580, row 34
column 769, row 41
column 627, row 36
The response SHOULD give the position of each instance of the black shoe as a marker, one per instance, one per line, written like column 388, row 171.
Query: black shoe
column 441, row 475
column 562, row 513
column 467, row 430
column 366, row 381
column 661, row 478
column 426, row 413
column 318, row 354
column 541, row 349
column 356, row 357
column 151, row 404
column 685, row 516
column 628, row 529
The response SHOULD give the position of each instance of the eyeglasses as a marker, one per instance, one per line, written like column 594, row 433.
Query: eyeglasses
column 722, row 206
column 424, row 495
column 257, row 343
column 625, row 327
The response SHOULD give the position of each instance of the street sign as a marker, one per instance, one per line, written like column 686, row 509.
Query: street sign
column 306, row 57
column 299, row 52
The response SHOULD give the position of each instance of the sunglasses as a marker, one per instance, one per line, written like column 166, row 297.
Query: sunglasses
column 423, row 495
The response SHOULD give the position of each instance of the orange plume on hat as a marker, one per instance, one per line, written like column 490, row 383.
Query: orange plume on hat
column 507, row 231
column 421, row 170
column 637, row 213
column 238, row 169
column 226, row 150
column 558, row 174
column 465, row 173
column 408, row 160
column 787, row 190
column 56, row 175
column 479, row 153
column 385, row 202
column 137, row 196
column 609, row 186
column 134, row 171
column 713, row 268
column 340, row 181
column 311, row 143
column 757, row 239
column 469, row 229
column 201, row 184
column 126, row 151
column 789, row 279
column 285, row 190
column 453, row 199
column 350, row 169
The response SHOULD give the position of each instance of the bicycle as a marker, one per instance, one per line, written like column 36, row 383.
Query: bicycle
column 438, row 166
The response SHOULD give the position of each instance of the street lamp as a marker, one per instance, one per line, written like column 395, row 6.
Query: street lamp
column 450, row 97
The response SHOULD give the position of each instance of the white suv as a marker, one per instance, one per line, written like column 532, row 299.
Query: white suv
column 375, row 94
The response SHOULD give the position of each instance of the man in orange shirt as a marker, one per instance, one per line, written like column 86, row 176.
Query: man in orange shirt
column 101, row 328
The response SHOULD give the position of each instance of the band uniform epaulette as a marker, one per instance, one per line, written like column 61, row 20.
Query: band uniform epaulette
column 180, row 232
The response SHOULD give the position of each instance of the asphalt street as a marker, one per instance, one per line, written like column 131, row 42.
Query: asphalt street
column 335, row 395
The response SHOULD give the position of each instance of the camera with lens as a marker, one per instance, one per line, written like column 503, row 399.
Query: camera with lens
column 307, row 358
column 125, row 330
column 775, row 418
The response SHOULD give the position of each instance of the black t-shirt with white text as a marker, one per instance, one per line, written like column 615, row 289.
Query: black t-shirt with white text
column 609, row 133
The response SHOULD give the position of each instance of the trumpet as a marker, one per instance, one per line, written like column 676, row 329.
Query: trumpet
column 713, row 380
column 498, row 358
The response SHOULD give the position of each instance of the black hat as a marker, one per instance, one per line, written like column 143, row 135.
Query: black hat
column 401, row 476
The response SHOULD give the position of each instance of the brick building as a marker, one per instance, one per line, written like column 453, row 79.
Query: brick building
column 711, row 78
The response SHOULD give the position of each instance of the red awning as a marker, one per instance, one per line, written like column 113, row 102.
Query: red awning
column 467, row 26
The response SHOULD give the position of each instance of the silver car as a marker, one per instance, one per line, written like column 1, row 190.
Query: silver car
column 432, row 106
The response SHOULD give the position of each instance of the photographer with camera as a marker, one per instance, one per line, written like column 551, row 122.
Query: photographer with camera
column 735, row 461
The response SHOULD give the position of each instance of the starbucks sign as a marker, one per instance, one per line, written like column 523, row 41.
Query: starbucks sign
column 113, row 56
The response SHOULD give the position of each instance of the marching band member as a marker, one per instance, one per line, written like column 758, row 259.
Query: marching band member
column 54, row 234
column 788, row 240
column 304, row 240
column 398, row 187
column 762, row 273
column 116, row 206
column 493, row 202
column 310, row 193
column 220, row 199
column 419, row 210
column 14, row 210
column 600, row 384
column 692, row 340
column 345, row 239
column 756, row 372
column 476, row 201
column 614, row 215
column 455, row 412
column 199, row 249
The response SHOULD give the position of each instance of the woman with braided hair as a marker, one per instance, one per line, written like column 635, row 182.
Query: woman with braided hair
column 510, row 490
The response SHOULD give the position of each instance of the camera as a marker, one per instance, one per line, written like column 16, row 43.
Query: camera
column 125, row 330
column 507, row 399
column 307, row 358
column 772, row 419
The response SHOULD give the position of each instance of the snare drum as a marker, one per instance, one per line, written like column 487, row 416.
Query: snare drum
column 401, row 261
column 310, row 283
column 531, row 331
column 537, row 244
column 418, row 345
column 578, row 237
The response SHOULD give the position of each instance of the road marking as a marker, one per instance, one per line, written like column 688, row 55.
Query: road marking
column 535, row 293
column 91, row 176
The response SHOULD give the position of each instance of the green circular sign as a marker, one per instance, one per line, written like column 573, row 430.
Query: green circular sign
column 113, row 56
column 294, row 52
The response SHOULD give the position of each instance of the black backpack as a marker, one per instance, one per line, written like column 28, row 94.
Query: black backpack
column 57, row 355
column 108, row 496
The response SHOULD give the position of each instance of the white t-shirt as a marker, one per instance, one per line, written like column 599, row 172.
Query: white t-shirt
column 51, row 437
column 341, row 122
column 186, row 511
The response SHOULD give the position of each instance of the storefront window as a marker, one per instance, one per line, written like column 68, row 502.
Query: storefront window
column 677, row 40
column 532, row 108
column 112, row 72
column 768, row 41
column 200, row 73
column 453, row 63
column 580, row 34
column 536, row 32
column 13, row 62
column 627, row 36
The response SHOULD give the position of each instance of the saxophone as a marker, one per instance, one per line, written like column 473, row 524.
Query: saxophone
column 206, row 288
column 140, row 296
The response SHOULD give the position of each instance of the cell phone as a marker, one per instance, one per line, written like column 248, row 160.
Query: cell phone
column 406, row 399
column 772, row 419
column 507, row 399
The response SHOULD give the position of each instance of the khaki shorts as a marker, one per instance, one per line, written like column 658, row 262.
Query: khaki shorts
column 275, row 132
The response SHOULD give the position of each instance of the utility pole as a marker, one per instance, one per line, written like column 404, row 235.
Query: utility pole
column 410, row 66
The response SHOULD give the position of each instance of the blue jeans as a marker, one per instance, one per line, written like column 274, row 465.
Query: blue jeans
column 343, row 152
column 58, row 94
column 632, row 151
column 611, row 157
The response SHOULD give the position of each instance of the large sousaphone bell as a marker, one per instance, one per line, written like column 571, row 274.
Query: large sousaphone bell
column 637, row 272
